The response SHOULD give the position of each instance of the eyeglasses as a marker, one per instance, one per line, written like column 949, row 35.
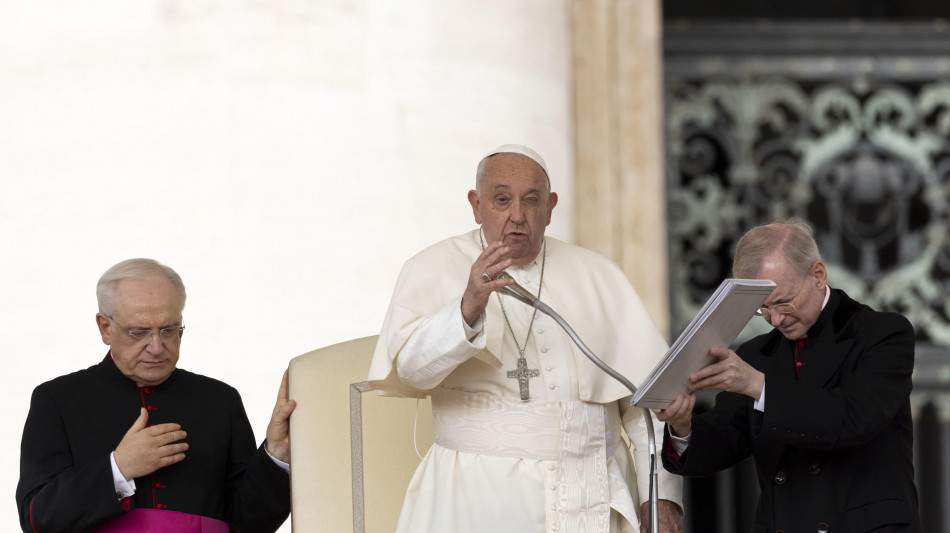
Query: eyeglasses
column 782, row 308
column 166, row 334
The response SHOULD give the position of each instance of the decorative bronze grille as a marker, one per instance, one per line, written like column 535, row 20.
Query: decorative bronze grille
column 848, row 126
column 840, row 124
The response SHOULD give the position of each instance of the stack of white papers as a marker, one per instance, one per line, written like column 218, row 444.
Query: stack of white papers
column 717, row 324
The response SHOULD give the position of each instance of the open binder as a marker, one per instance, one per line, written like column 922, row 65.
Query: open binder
column 717, row 324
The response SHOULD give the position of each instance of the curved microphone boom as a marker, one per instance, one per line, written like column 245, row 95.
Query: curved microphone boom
column 523, row 295
column 516, row 291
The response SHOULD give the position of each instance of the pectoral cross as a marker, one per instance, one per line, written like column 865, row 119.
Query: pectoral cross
column 523, row 374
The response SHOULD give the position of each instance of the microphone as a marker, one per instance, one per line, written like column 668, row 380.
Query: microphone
column 516, row 291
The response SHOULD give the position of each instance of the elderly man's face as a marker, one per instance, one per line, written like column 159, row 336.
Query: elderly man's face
column 143, row 304
column 514, row 205
column 806, row 292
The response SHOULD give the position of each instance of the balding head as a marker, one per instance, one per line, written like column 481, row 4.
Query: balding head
column 139, row 268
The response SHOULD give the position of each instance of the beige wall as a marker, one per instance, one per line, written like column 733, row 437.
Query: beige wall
column 284, row 157
column 621, row 192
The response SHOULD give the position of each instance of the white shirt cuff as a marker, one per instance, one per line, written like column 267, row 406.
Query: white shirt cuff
column 283, row 466
column 472, row 331
column 123, row 487
column 759, row 404
column 679, row 443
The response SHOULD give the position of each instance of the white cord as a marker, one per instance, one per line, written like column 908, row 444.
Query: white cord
column 415, row 424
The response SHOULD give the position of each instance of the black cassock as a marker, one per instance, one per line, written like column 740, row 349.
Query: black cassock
column 77, row 420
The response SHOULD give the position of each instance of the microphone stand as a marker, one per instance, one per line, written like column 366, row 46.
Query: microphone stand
column 521, row 294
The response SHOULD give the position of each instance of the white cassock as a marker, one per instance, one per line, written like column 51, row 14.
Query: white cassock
column 557, row 462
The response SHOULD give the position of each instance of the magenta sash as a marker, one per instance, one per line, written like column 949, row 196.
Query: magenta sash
column 159, row 521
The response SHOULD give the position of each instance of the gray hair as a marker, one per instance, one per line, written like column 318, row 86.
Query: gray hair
column 139, row 268
column 480, row 171
column 793, row 236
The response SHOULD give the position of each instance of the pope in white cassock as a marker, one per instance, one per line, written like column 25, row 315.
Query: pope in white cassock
column 530, row 435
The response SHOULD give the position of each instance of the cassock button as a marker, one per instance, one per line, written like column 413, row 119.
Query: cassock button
column 822, row 527
column 814, row 469
column 780, row 478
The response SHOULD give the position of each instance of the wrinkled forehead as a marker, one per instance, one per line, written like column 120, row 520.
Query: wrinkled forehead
column 787, row 279
column 154, row 292
column 779, row 268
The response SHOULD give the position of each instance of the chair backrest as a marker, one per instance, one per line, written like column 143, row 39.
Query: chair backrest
column 352, row 452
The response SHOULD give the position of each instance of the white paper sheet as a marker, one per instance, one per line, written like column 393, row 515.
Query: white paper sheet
column 717, row 324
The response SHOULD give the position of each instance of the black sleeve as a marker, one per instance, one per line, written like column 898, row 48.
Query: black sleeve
column 54, row 493
column 259, row 489
column 720, row 435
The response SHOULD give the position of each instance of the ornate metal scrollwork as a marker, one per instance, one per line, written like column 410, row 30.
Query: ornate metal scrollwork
column 862, row 155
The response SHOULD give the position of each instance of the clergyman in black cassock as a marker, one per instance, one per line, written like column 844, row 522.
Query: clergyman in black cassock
column 182, row 441
column 822, row 402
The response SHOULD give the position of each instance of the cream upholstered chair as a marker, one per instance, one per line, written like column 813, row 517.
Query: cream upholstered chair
column 352, row 452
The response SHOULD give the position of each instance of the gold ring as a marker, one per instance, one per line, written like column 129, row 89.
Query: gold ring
column 485, row 277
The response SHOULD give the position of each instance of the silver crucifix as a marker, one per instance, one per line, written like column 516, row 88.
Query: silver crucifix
column 523, row 374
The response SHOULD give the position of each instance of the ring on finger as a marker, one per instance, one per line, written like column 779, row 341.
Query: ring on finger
column 485, row 277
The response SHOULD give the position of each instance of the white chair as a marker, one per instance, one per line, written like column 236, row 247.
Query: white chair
column 352, row 452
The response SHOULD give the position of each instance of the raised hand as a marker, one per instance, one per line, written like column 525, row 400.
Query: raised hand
column 481, row 282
